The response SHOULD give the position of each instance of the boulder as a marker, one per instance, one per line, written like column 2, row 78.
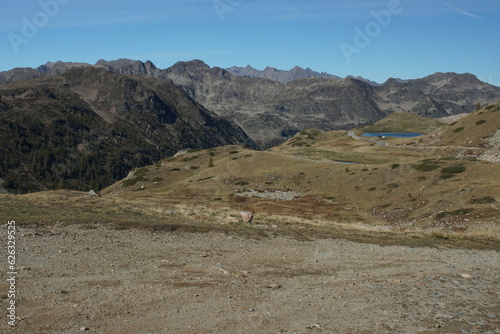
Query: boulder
column 246, row 217
column 93, row 193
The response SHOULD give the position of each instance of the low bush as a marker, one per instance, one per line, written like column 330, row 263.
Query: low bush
column 241, row 183
column 194, row 157
column 483, row 200
column 426, row 167
column 450, row 171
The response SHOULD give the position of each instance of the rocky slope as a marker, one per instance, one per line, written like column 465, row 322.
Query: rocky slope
column 270, row 112
column 86, row 128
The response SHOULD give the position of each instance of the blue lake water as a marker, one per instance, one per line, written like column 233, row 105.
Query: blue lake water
column 392, row 134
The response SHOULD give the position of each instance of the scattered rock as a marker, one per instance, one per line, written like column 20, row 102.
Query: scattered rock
column 277, row 195
column 92, row 193
column 246, row 217
column 274, row 286
column 83, row 329
column 61, row 291
column 466, row 276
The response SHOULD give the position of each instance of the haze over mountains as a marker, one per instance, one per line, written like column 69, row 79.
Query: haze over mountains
column 137, row 113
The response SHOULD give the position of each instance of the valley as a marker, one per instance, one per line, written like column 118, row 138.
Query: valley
column 348, row 234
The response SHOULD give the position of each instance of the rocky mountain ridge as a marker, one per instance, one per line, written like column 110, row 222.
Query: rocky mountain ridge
column 270, row 112
column 282, row 76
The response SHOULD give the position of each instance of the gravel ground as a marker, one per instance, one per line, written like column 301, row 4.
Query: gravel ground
column 73, row 279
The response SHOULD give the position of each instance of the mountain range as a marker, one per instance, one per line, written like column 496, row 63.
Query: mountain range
column 270, row 111
column 60, row 118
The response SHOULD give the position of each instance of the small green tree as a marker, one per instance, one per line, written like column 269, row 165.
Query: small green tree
column 211, row 163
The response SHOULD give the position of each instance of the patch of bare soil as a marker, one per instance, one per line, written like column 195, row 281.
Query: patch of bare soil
column 73, row 279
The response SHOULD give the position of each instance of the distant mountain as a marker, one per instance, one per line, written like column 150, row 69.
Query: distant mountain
column 370, row 82
column 270, row 111
column 281, row 76
column 87, row 128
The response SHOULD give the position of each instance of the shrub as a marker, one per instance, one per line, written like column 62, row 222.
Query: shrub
column 138, row 176
column 481, row 122
column 458, row 212
column 194, row 157
column 392, row 185
column 241, row 183
column 426, row 167
column 457, row 130
column 193, row 167
column 462, row 211
column 484, row 200
column 450, row 171
column 394, row 166
column 441, row 215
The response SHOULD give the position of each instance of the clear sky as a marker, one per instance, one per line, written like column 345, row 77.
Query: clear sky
column 370, row 38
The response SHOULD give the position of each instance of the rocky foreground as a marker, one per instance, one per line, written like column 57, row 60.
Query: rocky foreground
column 102, row 280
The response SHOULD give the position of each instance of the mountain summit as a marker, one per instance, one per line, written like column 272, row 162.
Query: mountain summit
column 281, row 76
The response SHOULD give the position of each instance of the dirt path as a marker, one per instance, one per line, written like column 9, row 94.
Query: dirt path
column 74, row 280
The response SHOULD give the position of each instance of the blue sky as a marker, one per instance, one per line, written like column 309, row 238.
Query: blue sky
column 370, row 38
